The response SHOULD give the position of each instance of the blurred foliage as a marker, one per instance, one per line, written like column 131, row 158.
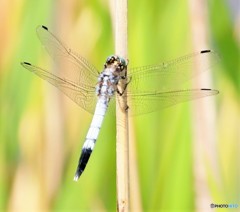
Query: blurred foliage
column 224, row 35
column 158, row 31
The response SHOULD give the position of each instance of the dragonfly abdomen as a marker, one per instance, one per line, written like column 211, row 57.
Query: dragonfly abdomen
column 92, row 135
column 105, row 89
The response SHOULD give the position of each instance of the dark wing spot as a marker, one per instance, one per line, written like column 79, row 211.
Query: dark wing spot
column 206, row 89
column 44, row 27
column 205, row 51
column 26, row 63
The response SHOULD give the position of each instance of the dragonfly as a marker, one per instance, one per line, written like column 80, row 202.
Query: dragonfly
column 147, row 88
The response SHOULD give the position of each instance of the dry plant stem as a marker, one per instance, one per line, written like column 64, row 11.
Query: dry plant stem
column 135, row 192
column 122, row 116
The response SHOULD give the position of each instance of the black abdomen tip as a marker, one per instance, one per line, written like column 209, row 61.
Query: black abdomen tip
column 86, row 153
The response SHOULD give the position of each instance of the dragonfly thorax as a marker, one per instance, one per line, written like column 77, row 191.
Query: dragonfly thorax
column 114, row 70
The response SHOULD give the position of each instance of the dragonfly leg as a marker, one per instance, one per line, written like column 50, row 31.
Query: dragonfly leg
column 125, row 86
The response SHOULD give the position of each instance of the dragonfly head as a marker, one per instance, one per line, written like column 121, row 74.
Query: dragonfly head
column 115, row 62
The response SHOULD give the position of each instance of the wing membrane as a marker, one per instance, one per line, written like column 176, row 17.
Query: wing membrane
column 151, row 88
column 73, row 67
column 83, row 95
column 171, row 75
column 150, row 102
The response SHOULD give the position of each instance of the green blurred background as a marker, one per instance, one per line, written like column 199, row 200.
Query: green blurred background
column 42, row 131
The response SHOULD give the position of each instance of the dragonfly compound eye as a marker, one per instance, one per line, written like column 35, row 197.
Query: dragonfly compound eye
column 111, row 59
column 123, row 63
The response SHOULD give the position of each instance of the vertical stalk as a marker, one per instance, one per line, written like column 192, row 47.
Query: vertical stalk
column 122, row 116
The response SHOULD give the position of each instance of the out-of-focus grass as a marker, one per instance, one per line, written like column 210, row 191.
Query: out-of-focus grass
column 158, row 31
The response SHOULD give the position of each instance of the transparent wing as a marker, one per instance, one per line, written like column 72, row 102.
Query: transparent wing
column 73, row 67
column 149, row 102
column 159, row 86
column 84, row 95
column 171, row 75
